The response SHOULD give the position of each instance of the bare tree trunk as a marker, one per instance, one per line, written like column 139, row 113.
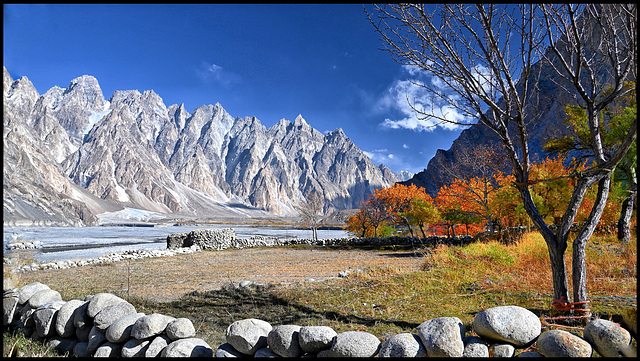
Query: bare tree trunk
column 559, row 270
column 579, row 267
column 624, row 231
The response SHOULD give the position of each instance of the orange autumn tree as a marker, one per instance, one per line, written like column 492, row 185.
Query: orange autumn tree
column 399, row 206
column 470, row 199
column 507, row 204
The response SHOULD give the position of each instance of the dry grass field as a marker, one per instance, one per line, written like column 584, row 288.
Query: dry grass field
column 388, row 290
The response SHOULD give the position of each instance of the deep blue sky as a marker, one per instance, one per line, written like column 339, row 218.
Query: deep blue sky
column 267, row 61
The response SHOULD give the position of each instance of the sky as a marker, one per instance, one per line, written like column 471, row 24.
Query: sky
column 269, row 61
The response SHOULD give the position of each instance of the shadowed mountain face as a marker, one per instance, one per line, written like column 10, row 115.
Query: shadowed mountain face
column 69, row 155
column 545, row 114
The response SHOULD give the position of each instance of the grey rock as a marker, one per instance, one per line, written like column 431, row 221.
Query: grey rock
column 249, row 335
column 111, row 314
column 442, row 336
column 607, row 338
column 26, row 316
column 150, row 325
column 314, row 339
column 187, row 347
column 25, row 292
column 266, row 353
column 80, row 349
column 44, row 320
column 157, row 345
column 512, row 324
column 474, row 346
column 402, row 345
column 43, row 296
column 559, row 343
column 81, row 319
column 226, row 350
column 96, row 338
column 283, row 340
column 180, row 328
column 108, row 349
column 529, row 354
column 120, row 330
column 66, row 314
column 355, row 344
column 9, row 308
column 135, row 348
column 64, row 346
column 501, row 350
column 100, row 301
column 82, row 334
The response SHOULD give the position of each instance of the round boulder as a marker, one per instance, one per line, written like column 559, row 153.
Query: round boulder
column 512, row 324
column 9, row 308
column 80, row 318
column 226, row 350
column 442, row 336
column 607, row 338
column 314, row 339
column 474, row 346
column 64, row 321
column 157, row 345
column 249, row 335
column 180, row 328
column 25, row 292
column 42, row 297
column 44, row 319
column 80, row 350
column 100, row 301
column 135, row 348
column 150, row 325
column 501, row 350
column 187, row 347
column 96, row 338
column 111, row 314
column 265, row 353
column 284, row 340
column 402, row 345
column 108, row 349
column 355, row 344
column 559, row 343
column 120, row 330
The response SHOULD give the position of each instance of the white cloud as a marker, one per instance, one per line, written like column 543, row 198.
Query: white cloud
column 405, row 146
column 405, row 95
column 215, row 74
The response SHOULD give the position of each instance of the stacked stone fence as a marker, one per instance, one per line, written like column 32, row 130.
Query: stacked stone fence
column 220, row 239
column 105, row 325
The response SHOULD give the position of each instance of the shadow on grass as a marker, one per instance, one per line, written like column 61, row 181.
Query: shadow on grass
column 220, row 308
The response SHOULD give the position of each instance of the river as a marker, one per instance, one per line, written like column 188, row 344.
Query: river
column 72, row 243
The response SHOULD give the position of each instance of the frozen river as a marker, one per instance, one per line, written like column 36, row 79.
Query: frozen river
column 66, row 243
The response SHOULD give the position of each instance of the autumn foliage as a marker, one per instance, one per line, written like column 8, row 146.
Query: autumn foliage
column 478, row 204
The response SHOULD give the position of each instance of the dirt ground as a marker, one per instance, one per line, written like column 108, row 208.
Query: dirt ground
column 168, row 278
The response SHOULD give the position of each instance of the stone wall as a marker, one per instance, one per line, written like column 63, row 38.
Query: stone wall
column 105, row 325
column 219, row 239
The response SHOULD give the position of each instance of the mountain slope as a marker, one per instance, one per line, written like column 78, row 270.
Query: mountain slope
column 134, row 151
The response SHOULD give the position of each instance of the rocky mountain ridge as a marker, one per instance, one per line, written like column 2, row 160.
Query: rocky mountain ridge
column 71, row 155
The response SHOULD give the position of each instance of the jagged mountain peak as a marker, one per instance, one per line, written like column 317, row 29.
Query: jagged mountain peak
column 134, row 151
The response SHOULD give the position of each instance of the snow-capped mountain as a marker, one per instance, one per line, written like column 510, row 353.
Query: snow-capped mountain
column 70, row 155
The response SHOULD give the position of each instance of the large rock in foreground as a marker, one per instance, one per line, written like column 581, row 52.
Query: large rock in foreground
column 512, row 324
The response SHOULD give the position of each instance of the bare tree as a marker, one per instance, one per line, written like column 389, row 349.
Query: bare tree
column 486, row 62
column 310, row 212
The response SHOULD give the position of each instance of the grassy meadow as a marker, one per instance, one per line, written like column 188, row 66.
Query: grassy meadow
column 453, row 281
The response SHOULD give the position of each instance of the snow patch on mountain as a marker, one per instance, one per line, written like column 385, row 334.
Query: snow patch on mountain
column 96, row 116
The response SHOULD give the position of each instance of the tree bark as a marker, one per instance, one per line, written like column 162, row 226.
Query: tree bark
column 579, row 268
column 559, row 270
column 624, row 231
